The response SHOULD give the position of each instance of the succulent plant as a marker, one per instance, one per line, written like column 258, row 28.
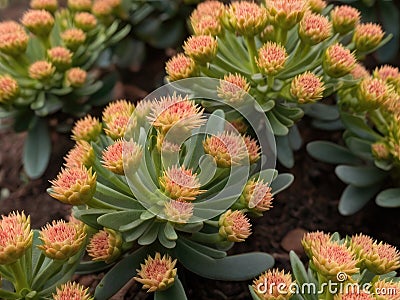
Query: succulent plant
column 287, row 55
column 369, row 160
column 355, row 267
column 45, row 65
column 34, row 263
column 172, row 184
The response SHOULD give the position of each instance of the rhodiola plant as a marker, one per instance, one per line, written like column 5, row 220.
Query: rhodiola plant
column 355, row 267
column 37, row 264
column 165, row 182
column 286, row 54
column 369, row 162
column 45, row 64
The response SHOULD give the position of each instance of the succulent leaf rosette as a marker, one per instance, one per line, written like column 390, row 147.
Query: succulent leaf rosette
column 355, row 267
column 37, row 264
column 172, row 184
column 45, row 68
column 287, row 54
column 369, row 160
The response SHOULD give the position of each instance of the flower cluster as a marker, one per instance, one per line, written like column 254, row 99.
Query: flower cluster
column 286, row 54
column 38, row 262
column 336, row 270
column 136, row 170
column 46, row 61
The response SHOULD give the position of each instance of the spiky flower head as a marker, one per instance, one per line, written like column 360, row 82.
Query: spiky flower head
column 389, row 74
column 60, row 57
column 233, row 88
column 382, row 258
column 253, row 149
column 386, row 290
column 15, row 237
column 112, row 158
column 76, row 77
column 201, row 48
column 105, row 245
column 117, row 126
column 73, row 38
column 158, row 273
column 177, row 182
column 80, row 5
column 9, row 89
column 257, row 196
column 372, row 93
column 278, row 285
column 367, row 36
column 143, row 109
column 338, row 61
column 86, row 129
column 49, row 5
column 380, row 150
column 314, row 28
column 332, row 258
column 85, row 21
column 271, row 58
column 314, row 240
column 175, row 111
column 178, row 211
column 356, row 294
column 104, row 9
column 361, row 245
column 227, row 148
column 41, row 70
column 286, row 13
column 246, row 18
column 307, row 88
column 74, row 186
column 116, row 108
column 359, row 71
column 234, row 226
column 39, row 22
column 344, row 18
column 206, row 25
column 317, row 6
column 131, row 155
column 180, row 67
column 81, row 155
column 72, row 291
column 62, row 240
column 214, row 9
column 13, row 38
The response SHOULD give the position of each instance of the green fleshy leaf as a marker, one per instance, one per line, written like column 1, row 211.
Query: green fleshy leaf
column 231, row 268
column 120, row 274
column 281, row 182
column 150, row 235
column 87, row 267
column 285, row 153
column 267, row 175
column 355, row 198
column 331, row 153
column 103, row 95
column 253, row 293
column 212, row 252
column 115, row 220
column 135, row 233
column 295, row 140
column 90, row 216
column 360, row 176
column 167, row 243
column 360, row 147
column 277, row 127
column 300, row 274
column 328, row 125
column 322, row 111
column 358, row 126
column 389, row 198
column 170, row 231
column 37, row 149
column 175, row 292
column 267, row 106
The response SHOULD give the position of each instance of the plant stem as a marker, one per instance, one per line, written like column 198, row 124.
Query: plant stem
column 281, row 36
column 251, row 47
column 212, row 238
column 20, row 280
column 270, row 82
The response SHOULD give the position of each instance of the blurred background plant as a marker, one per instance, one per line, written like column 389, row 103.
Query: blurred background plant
column 45, row 68
column 168, row 183
column 287, row 55
column 35, row 264
column 354, row 267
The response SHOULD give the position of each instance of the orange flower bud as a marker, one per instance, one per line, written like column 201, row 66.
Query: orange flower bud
column 271, row 58
column 317, row 6
column 9, row 89
column 41, row 70
column 247, row 18
column 74, row 186
column 234, row 226
column 314, row 28
column 73, row 38
column 307, row 88
column 372, row 93
column 286, row 14
column 60, row 57
column 338, row 61
column 344, row 18
column 314, row 240
column 180, row 67
column 85, row 21
column 117, row 126
column 86, row 129
column 49, row 5
column 72, row 291
column 80, row 5
column 386, row 290
column 359, row 71
column 273, row 285
column 13, row 38
column 76, row 77
column 81, row 155
column 16, row 237
column 105, row 245
column 233, row 88
column 257, row 196
column 367, row 36
column 39, row 22
column 62, row 240
column 202, row 48
column 206, row 25
column 178, row 211
column 158, row 273
column 116, row 108
column 214, row 9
